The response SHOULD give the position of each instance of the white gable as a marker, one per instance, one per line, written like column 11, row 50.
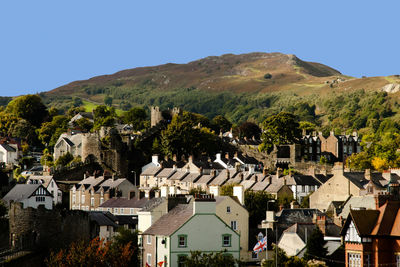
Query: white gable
column 352, row 234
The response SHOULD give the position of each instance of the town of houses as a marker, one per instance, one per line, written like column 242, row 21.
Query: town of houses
column 172, row 202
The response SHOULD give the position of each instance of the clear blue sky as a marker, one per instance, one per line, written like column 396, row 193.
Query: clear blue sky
column 45, row 44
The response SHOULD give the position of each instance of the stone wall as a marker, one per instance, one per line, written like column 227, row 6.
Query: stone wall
column 42, row 229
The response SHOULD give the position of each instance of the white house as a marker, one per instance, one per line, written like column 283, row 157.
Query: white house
column 9, row 153
column 67, row 142
column 187, row 228
column 49, row 183
column 30, row 195
column 154, row 163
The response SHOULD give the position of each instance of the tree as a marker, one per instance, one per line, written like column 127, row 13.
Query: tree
column 77, row 102
column 380, row 164
column 65, row 159
column 268, row 76
column 126, row 237
column 227, row 189
column 220, row 123
column 30, row 108
column 280, row 129
column 315, row 245
column 108, row 100
column 307, row 126
column 104, row 116
column 199, row 259
column 84, row 124
column 184, row 137
column 135, row 116
column 51, row 131
column 94, row 253
column 359, row 161
column 323, row 160
column 249, row 130
column 256, row 203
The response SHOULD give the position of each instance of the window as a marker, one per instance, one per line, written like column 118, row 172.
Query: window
column 149, row 239
column 228, row 209
column 226, row 240
column 92, row 201
column 73, row 198
column 354, row 259
column 234, row 225
column 101, row 200
column 367, row 260
column 149, row 258
column 310, row 149
column 254, row 255
column 115, row 210
column 83, row 199
column 131, row 211
column 398, row 260
column 181, row 260
column 182, row 241
column 40, row 199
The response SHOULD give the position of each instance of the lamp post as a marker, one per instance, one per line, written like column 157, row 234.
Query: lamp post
column 134, row 177
column 266, row 230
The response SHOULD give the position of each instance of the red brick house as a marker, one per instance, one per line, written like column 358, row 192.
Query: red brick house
column 372, row 237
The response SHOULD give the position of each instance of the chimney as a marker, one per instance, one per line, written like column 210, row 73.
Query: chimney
column 311, row 171
column 157, row 193
column 367, row 174
column 241, row 177
column 338, row 168
column 251, row 168
column 265, row 171
column 314, row 133
column 201, row 170
column 294, row 205
column 331, row 133
column 320, row 133
column 321, row 223
column 164, row 191
column 256, row 178
column 237, row 166
column 174, row 167
column 191, row 159
column 174, row 158
column 281, row 207
column 213, row 173
column 278, row 172
column 214, row 190
column 270, row 179
column 227, row 155
column 218, row 157
column 204, row 204
column 154, row 159
column 166, row 158
column 113, row 177
column 239, row 193
column 304, row 132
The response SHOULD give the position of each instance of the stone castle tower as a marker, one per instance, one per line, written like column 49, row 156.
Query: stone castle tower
column 156, row 115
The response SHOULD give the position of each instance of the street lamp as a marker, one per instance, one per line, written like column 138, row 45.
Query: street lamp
column 266, row 230
column 134, row 176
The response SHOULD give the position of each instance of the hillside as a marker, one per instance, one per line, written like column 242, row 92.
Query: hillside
column 232, row 85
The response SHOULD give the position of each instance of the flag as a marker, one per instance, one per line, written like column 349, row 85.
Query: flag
column 160, row 264
column 261, row 245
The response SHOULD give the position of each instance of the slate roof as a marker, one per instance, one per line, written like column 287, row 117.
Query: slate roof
column 291, row 216
column 323, row 178
column 151, row 171
column 42, row 179
column 122, row 202
column 301, row 180
column 205, row 179
column 191, row 177
column 171, row 221
column 222, row 177
column 178, row 175
column 153, row 203
column 102, row 218
column 69, row 142
column 166, row 173
column 90, row 182
column 274, row 188
column 356, row 202
column 8, row 148
column 127, row 220
column 20, row 192
column 247, row 184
